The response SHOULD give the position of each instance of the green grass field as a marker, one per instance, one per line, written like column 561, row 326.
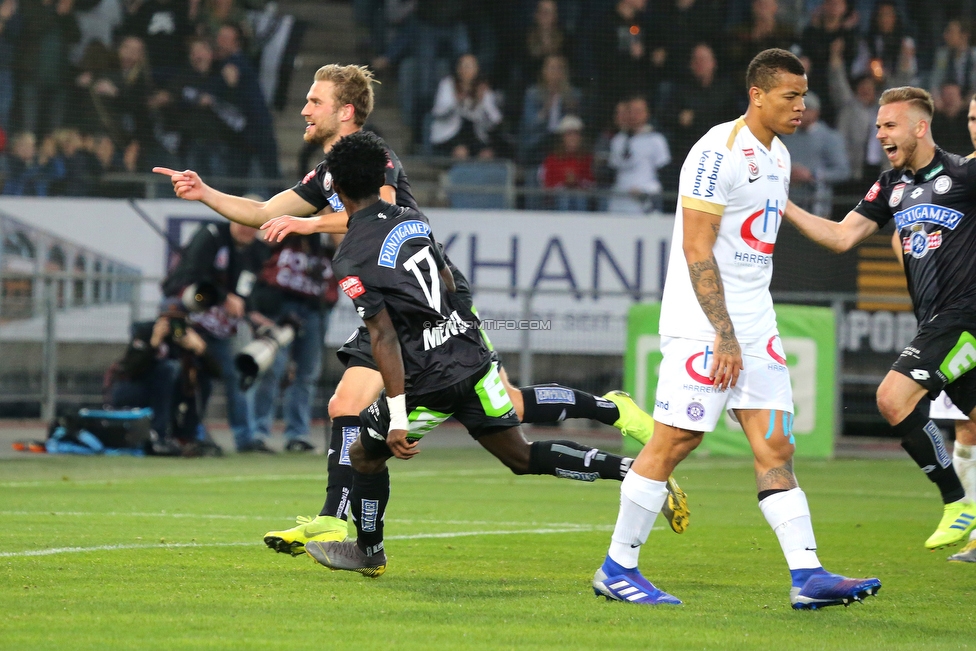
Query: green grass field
column 112, row 553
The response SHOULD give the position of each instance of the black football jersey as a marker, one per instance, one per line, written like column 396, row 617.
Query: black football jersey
column 316, row 188
column 388, row 259
column 935, row 214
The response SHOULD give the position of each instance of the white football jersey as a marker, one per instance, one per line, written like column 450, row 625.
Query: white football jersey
column 731, row 174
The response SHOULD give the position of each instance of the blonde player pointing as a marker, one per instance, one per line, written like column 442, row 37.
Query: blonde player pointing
column 720, row 343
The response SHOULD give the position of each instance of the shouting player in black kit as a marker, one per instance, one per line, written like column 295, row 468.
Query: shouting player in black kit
column 931, row 194
column 338, row 104
column 430, row 353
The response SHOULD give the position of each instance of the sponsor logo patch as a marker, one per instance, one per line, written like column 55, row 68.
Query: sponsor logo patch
column 916, row 193
column 308, row 177
column 942, row 185
column 896, row 195
column 352, row 286
column 751, row 163
column 873, row 192
column 930, row 213
column 370, row 511
column 554, row 396
column 938, row 444
column 575, row 474
column 395, row 239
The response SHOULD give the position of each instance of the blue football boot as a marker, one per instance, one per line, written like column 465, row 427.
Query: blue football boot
column 619, row 584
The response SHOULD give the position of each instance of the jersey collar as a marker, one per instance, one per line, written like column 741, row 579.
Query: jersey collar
column 936, row 165
column 369, row 211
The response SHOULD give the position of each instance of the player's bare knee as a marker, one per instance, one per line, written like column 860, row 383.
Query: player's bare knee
column 343, row 404
column 362, row 462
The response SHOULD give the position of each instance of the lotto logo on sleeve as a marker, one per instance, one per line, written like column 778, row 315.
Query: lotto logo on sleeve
column 352, row 286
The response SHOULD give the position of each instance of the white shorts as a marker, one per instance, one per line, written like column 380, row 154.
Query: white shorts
column 943, row 409
column 686, row 399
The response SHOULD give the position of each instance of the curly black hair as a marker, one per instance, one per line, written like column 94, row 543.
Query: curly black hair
column 358, row 163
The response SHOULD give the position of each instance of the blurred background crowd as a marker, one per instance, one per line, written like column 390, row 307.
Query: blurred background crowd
column 581, row 95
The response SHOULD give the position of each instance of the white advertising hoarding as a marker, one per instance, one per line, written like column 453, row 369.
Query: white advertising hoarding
column 584, row 269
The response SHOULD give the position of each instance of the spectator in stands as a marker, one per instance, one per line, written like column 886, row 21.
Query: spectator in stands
column 261, row 145
column 950, row 124
column 164, row 26
column 887, row 52
column 436, row 25
column 955, row 61
column 764, row 31
column 214, row 14
column 603, row 174
column 545, row 38
column 81, row 167
column 210, row 122
column 28, row 175
column 48, row 30
column 9, row 33
column 677, row 26
column 857, row 113
column 700, row 101
column 620, row 53
column 819, row 160
column 636, row 154
column 830, row 21
column 545, row 105
column 120, row 96
column 465, row 113
column 569, row 167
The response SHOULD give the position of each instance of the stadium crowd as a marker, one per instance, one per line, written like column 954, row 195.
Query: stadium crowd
column 525, row 65
column 95, row 86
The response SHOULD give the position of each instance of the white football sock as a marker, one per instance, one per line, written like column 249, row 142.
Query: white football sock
column 789, row 516
column 641, row 500
column 964, row 461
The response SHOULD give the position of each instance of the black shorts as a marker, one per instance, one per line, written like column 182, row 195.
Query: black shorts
column 942, row 357
column 479, row 402
column 358, row 351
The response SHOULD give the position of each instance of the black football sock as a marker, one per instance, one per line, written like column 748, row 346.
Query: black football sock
column 922, row 440
column 549, row 403
column 571, row 460
column 370, row 495
column 345, row 431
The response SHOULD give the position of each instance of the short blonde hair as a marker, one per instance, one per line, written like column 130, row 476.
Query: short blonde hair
column 918, row 98
column 353, row 85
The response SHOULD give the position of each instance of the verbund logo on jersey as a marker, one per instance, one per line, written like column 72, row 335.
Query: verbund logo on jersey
column 712, row 178
column 760, row 235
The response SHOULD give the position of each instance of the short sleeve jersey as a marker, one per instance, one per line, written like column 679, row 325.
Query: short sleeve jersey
column 316, row 188
column 731, row 174
column 387, row 260
column 935, row 214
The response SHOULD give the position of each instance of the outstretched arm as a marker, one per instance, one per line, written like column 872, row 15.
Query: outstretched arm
column 188, row 185
column 335, row 223
column 389, row 360
column 700, row 233
column 840, row 236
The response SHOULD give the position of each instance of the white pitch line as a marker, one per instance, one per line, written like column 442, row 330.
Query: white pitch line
column 221, row 516
column 418, row 536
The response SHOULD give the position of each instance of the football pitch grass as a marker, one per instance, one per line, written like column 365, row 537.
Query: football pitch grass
column 121, row 553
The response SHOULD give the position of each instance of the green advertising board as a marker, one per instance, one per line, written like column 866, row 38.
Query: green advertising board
column 809, row 339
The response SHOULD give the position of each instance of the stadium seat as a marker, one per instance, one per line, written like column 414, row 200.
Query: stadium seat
column 481, row 184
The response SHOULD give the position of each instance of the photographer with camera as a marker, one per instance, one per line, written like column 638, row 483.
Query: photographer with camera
column 159, row 371
column 214, row 278
column 296, row 286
